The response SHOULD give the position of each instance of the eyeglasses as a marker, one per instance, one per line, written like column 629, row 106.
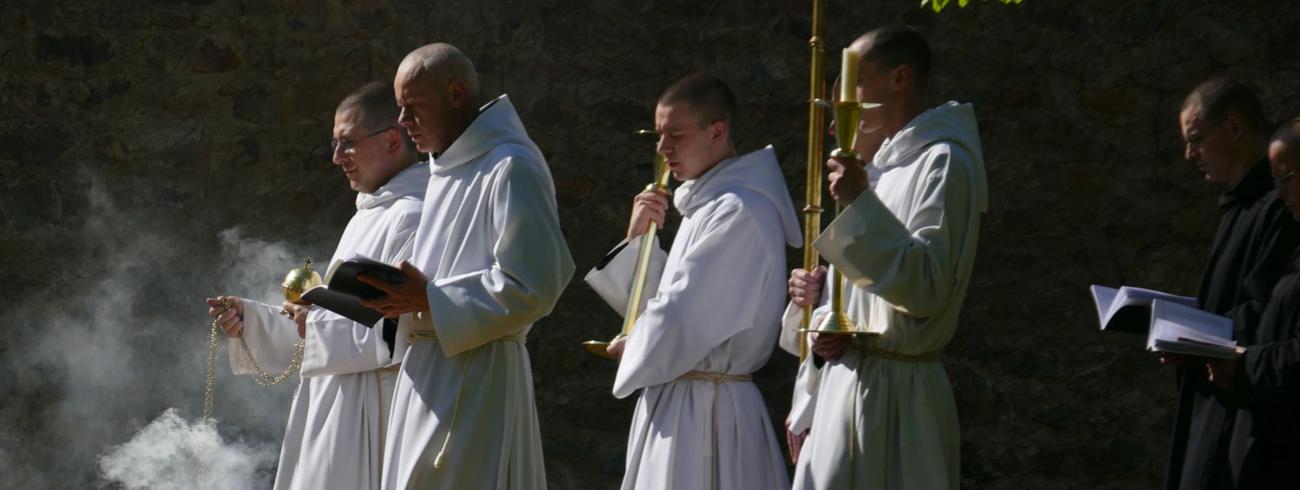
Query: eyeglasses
column 1281, row 179
column 348, row 146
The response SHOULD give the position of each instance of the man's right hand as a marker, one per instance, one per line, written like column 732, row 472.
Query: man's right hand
column 231, row 320
column 794, row 441
column 649, row 205
column 806, row 287
column 616, row 347
column 1172, row 360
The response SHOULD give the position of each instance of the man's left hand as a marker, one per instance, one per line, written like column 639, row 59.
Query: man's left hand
column 408, row 296
column 848, row 178
column 831, row 346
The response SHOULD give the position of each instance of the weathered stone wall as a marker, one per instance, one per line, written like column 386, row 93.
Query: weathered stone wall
column 134, row 132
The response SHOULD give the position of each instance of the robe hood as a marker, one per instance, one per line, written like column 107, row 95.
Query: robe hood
column 757, row 171
column 410, row 182
column 952, row 122
column 497, row 124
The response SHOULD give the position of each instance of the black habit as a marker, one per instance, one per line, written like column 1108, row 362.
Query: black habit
column 1252, row 248
column 1265, row 445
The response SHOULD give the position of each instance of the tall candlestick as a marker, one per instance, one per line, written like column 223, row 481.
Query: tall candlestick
column 849, row 76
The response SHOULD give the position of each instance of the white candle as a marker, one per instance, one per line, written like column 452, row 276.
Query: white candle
column 849, row 76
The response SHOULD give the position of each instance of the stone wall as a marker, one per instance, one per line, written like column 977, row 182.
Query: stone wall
column 135, row 132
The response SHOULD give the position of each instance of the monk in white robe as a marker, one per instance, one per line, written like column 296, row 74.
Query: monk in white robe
column 334, row 437
column 700, row 422
column 885, row 415
column 489, row 261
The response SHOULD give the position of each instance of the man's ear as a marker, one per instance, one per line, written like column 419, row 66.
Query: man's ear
column 394, row 140
column 457, row 93
column 1236, row 128
column 718, row 130
column 902, row 76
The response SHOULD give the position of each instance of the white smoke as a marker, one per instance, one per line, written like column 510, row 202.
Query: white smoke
column 172, row 453
column 100, row 365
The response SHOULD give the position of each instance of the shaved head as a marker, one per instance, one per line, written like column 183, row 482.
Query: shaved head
column 437, row 90
column 1285, row 144
column 438, row 64
column 893, row 46
column 1219, row 97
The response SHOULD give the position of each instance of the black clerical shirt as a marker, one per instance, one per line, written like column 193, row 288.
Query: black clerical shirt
column 1254, row 243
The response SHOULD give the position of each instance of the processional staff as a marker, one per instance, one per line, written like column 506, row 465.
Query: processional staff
column 847, row 113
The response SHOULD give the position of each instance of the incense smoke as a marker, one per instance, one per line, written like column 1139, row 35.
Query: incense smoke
column 97, row 369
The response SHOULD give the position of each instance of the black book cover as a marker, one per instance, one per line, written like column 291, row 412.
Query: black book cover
column 345, row 291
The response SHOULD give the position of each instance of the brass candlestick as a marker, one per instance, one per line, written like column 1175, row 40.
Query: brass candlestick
column 848, row 114
column 639, row 278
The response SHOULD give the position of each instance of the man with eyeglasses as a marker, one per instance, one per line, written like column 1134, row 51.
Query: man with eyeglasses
column 490, row 260
column 335, row 434
column 1225, row 132
column 1264, row 380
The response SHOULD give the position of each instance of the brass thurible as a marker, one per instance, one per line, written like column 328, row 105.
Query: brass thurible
column 642, row 270
column 297, row 282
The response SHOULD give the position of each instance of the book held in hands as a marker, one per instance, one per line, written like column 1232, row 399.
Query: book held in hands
column 343, row 291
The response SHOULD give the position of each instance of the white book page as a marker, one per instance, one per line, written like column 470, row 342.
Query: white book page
column 1103, row 297
column 1173, row 322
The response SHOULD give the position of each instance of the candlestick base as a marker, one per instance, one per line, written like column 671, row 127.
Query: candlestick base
column 599, row 348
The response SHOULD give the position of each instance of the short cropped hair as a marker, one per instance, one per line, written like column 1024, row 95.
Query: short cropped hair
column 708, row 96
column 894, row 46
column 374, row 102
column 1221, row 96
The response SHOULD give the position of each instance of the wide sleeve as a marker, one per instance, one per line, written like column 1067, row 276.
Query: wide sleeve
column 612, row 277
column 1270, row 373
column 337, row 345
column 531, row 266
column 271, row 339
column 1278, row 241
column 913, row 262
column 715, row 291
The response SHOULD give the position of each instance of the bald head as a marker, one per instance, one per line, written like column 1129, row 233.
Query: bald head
column 1284, row 148
column 438, row 64
column 438, row 92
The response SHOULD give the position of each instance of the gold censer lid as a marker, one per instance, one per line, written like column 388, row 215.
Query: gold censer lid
column 298, row 281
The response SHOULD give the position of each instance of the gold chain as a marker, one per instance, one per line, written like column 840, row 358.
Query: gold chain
column 263, row 379
column 212, row 362
column 266, row 380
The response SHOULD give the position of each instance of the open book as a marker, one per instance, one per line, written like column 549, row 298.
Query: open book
column 1128, row 309
column 342, row 292
column 1186, row 330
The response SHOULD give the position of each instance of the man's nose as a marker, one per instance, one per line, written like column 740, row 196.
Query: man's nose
column 339, row 156
column 1190, row 154
column 403, row 118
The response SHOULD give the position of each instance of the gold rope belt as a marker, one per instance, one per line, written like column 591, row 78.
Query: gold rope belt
column 714, row 377
column 873, row 351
